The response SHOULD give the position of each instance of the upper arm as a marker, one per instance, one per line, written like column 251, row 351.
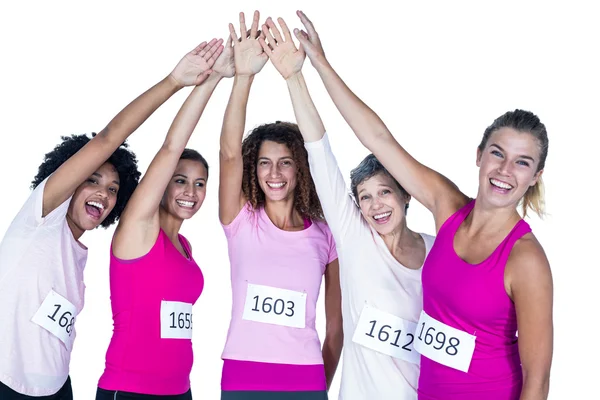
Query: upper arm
column 529, row 284
column 333, row 296
column 430, row 188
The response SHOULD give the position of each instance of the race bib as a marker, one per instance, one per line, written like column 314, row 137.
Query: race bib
column 275, row 306
column 444, row 344
column 57, row 316
column 175, row 320
column 385, row 333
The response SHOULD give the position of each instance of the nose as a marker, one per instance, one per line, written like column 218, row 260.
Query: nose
column 377, row 204
column 505, row 167
column 274, row 172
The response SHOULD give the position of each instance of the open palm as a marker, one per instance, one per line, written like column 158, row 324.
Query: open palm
column 225, row 64
column 282, row 51
column 195, row 66
column 248, row 53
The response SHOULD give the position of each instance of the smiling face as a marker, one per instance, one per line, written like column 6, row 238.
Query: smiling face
column 186, row 191
column 382, row 203
column 93, row 200
column 276, row 171
column 507, row 167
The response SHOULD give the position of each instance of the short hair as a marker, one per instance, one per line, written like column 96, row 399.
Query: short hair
column 191, row 154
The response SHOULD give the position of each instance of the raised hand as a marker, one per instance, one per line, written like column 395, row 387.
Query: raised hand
column 282, row 51
column 309, row 40
column 195, row 66
column 248, row 53
column 225, row 64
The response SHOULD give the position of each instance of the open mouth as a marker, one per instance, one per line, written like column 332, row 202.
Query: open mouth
column 500, row 186
column 276, row 185
column 186, row 204
column 382, row 218
column 94, row 209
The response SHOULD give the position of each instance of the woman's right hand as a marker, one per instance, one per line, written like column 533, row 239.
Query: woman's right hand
column 310, row 41
column 195, row 66
column 248, row 53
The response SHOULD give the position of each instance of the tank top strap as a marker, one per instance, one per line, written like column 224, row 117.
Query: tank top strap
column 450, row 226
column 186, row 245
column 520, row 229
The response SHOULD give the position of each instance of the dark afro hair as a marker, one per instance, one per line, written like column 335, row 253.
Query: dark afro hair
column 122, row 159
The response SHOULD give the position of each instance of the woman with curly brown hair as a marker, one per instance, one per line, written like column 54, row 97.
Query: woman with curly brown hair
column 279, row 249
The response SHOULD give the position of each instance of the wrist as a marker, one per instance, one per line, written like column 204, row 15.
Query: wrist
column 320, row 63
column 173, row 83
column 243, row 79
column 295, row 78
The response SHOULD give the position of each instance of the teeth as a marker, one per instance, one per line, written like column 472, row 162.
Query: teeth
column 95, row 204
column 276, row 185
column 500, row 184
column 383, row 215
column 186, row 203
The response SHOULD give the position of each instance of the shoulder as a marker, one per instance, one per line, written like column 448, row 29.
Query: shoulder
column 528, row 266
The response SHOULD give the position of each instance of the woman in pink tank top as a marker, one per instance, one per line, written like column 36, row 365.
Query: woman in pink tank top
column 486, row 276
column 279, row 250
column 153, row 276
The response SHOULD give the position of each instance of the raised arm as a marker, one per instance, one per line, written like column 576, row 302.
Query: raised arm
column 191, row 70
column 249, row 60
column 430, row 188
column 139, row 224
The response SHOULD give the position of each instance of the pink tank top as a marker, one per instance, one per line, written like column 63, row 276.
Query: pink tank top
column 472, row 298
column 151, row 299
column 267, row 355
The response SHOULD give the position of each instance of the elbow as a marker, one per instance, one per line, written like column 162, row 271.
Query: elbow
column 228, row 153
column 536, row 383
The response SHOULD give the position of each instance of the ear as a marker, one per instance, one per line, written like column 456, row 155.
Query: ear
column 478, row 159
column 536, row 177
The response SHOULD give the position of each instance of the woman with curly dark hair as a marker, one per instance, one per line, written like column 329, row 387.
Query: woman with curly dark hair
column 279, row 249
column 82, row 184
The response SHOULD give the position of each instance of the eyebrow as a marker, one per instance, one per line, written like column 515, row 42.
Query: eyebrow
column 100, row 176
column 521, row 156
column 281, row 158
column 185, row 176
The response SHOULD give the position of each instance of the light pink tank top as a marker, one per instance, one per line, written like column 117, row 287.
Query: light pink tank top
column 138, row 360
column 472, row 298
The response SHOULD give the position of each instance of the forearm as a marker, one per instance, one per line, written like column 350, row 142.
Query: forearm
column 307, row 116
column 234, row 120
column 332, row 350
column 365, row 123
column 535, row 388
column 136, row 112
column 188, row 116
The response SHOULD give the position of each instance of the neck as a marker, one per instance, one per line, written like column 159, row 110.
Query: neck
column 169, row 224
column 283, row 215
column 486, row 219
column 399, row 239
column 75, row 230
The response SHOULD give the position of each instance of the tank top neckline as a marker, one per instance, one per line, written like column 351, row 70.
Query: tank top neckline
column 182, row 242
column 307, row 224
column 468, row 209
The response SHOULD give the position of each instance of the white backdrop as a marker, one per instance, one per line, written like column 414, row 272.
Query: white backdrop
column 437, row 73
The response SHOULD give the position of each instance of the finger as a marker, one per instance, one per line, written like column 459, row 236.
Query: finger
column 254, row 27
column 302, row 38
column 213, row 49
column 269, row 37
column 198, row 48
column 214, row 56
column 274, row 29
column 266, row 48
column 243, row 28
column 232, row 34
column 307, row 24
column 284, row 29
column 207, row 47
column 229, row 43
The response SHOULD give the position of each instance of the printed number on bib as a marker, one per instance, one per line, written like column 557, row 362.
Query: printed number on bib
column 175, row 320
column 387, row 334
column 444, row 344
column 57, row 316
column 275, row 306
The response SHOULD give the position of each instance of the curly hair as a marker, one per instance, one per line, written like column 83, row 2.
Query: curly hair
column 123, row 159
column 306, row 201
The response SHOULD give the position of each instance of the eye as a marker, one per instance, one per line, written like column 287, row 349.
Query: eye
column 263, row 162
column 365, row 197
column 386, row 191
column 113, row 190
column 180, row 181
column 200, row 184
column 286, row 163
column 92, row 180
column 523, row 163
column 496, row 153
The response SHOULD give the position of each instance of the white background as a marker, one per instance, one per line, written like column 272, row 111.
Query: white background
column 437, row 73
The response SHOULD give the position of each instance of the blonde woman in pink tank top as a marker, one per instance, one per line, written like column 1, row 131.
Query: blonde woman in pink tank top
column 153, row 276
column 279, row 249
column 487, row 275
